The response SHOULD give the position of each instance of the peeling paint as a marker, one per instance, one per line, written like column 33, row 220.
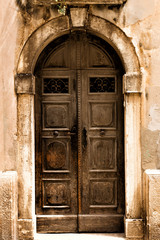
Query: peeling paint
column 158, row 152
column 154, row 114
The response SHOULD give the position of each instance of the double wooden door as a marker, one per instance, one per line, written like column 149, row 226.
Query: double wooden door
column 79, row 141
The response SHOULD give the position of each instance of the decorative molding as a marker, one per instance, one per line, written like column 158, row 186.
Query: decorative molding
column 25, row 83
column 132, row 82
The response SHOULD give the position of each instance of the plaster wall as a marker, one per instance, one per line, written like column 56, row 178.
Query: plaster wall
column 8, row 105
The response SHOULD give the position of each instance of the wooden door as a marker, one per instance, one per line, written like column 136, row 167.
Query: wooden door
column 102, row 152
column 79, row 139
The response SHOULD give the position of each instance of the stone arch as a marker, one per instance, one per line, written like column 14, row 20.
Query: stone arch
column 39, row 39
column 24, row 84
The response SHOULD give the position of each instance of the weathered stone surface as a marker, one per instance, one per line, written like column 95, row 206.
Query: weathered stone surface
column 133, row 156
column 25, row 229
column 132, row 83
column 25, row 83
column 78, row 16
column 8, row 206
column 134, row 228
column 152, row 204
column 82, row 2
column 38, row 40
column 26, row 155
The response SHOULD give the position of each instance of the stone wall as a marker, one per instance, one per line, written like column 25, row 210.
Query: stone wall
column 152, row 204
column 8, row 205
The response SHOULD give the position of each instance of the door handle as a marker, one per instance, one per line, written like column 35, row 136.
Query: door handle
column 84, row 138
column 55, row 133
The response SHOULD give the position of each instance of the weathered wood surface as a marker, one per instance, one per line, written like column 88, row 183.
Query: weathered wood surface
column 79, row 137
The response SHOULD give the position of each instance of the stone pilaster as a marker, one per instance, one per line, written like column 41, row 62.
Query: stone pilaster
column 133, row 190
column 25, row 88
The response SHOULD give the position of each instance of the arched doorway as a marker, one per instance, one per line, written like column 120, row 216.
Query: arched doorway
column 79, row 136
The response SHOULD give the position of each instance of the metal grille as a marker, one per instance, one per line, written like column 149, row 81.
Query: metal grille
column 56, row 85
column 102, row 84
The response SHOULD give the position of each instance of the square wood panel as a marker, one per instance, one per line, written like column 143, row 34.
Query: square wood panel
column 103, row 153
column 102, row 115
column 55, row 115
column 56, row 193
column 103, row 193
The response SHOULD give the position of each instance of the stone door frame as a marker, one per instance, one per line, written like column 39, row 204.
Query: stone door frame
column 25, row 89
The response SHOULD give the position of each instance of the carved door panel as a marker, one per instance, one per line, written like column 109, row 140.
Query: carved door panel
column 79, row 139
column 56, row 192
column 102, row 152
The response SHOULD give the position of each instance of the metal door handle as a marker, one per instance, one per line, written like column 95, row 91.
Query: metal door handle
column 55, row 133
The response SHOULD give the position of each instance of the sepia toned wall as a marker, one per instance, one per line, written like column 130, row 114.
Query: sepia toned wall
column 139, row 20
column 8, row 99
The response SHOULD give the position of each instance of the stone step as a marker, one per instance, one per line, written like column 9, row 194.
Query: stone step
column 80, row 236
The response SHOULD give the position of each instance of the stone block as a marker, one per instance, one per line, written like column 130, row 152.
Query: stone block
column 78, row 16
column 25, row 83
column 152, row 204
column 132, row 83
column 25, row 229
column 83, row 2
column 134, row 229
column 8, row 206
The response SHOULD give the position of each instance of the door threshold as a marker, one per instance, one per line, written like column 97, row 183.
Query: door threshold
column 80, row 236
